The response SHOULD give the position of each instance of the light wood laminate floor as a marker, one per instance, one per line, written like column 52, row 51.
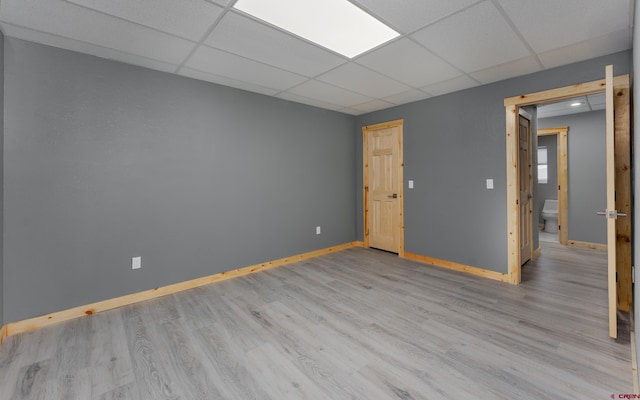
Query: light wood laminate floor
column 358, row 324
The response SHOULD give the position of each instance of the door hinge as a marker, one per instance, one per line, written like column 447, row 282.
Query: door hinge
column 633, row 274
column 616, row 276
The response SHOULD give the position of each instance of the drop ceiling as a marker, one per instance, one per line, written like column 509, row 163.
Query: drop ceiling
column 593, row 102
column 444, row 46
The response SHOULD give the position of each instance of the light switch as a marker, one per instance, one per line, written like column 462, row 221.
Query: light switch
column 410, row 184
column 489, row 183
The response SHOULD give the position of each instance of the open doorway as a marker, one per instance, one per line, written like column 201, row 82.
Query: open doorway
column 622, row 171
column 575, row 186
column 552, row 183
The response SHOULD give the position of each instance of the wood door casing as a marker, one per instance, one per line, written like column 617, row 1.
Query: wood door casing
column 611, row 203
column 383, row 186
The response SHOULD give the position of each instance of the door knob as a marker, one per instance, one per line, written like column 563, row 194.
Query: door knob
column 613, row 214
column 393, row 196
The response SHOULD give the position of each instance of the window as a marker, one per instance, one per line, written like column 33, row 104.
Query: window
column 543, row 176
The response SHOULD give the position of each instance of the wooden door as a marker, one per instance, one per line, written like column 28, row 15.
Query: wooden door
column 610, row 213
column 383, row 186
column 526, row 190
column 622, row 139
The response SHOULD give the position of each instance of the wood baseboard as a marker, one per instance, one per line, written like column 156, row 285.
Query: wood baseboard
column 587, row 245
column 537, row 252
column 485, row 273
column 89, row 309
column 3, row 334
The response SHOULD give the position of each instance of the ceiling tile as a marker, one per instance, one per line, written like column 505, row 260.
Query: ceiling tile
column 409, row 15
column 592, row 102
column 474, row 39
column 508, row 70
column 64, row 19
column 562, row 104
column 223, row 3
column 452, row 85
column 407, row 97
column 189, row 19
column 597, row 99
column 221, row 80
column 373, row 105
column 361, row 80
column 567, row 21
column 249, row 38
column 607, row 44
column 330, row 94
column 408, row 62
column 86, row 48
column 577, row 110
column 562, row 108
column 220, row 63
column 351, row 111
column 311, row 102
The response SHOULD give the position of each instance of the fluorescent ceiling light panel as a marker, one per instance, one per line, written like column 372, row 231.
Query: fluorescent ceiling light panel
column 335, row 24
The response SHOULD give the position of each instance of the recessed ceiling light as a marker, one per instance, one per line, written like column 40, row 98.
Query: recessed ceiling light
column 335, row 24
column 576, row 104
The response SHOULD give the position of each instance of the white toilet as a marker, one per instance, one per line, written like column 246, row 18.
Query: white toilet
column 550, row 216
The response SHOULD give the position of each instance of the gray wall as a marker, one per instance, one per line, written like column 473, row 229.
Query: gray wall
column 2, row 302
column 549, row 190
column 106, row 161
column 452, row 143
column 587, row 174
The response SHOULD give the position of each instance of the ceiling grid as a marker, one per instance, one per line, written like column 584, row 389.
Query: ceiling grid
column 444, row 45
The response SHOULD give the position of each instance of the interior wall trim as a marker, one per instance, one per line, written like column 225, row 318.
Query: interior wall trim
column 485, row 273
column 587, row 245
column 3, row 334
column 537, row 253
column 42, row 321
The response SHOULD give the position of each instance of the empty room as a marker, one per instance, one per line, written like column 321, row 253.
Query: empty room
column 318, row 199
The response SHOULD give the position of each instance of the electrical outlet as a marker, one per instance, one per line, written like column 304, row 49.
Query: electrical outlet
column 318, row 230
column 136, row 263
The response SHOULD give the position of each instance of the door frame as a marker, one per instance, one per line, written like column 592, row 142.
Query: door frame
column 399, row 174
column 563, row 179
column 512, row 105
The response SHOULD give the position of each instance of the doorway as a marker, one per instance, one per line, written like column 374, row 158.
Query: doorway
column 383, row 192
column 561, row 134
column 623, row 197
